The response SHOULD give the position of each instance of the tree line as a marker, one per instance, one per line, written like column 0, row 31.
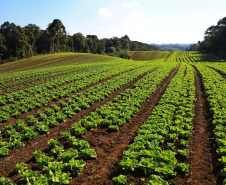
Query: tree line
column 20, row 42
column 214, row 39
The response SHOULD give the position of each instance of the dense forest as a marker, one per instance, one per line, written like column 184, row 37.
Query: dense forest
column 214, row 39
column 21, row 42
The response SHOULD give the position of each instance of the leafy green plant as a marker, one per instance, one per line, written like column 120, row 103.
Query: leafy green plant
column 3, row 151
column 113, row 128
column 184, row 142
column 5, row 181
column 28, row 174
column 128, row 164
column 65, row 135
column 184, row 152
column 75, row 166
column 121, row 179
column 171, row 145
column 42, row 127
column 38, row 154
column 31, row 120
column 43, row 161
column 81, row 144
column 183, row 167
column 52, row 143
column 156, row 180
column 68, row 155
column 20, row 167
column 88, row 154
column 29, row 133
column 57, row 150
column 7, row 127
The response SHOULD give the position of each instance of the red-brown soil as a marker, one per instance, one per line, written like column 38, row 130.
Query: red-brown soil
column 201, row 155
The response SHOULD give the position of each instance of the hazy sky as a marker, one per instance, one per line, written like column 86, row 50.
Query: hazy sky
column 149, row 21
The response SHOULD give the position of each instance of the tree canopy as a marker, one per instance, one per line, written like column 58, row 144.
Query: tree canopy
column 214, row 39
column 20, row 42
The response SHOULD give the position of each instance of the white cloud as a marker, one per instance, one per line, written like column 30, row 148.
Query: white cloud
column 127, row 5
column 104, row 12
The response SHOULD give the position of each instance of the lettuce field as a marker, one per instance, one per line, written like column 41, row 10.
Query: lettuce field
column 70, row 118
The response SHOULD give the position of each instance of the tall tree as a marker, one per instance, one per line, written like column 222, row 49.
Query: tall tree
column 93, row 43
column 16, row 41
column 55, row 29
column 33, row 32
column 125, row 42
column 3, row 48
column 79, row 42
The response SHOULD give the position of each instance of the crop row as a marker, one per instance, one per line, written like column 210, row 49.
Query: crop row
column 215, row 87
column 164, row 135
column 63, row 159
column 51, row 117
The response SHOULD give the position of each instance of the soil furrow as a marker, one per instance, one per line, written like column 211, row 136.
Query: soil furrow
column 200, row 157
column 40, row 142
column 109, row 146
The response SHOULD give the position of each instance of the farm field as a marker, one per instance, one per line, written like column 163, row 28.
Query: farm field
column 71, row 118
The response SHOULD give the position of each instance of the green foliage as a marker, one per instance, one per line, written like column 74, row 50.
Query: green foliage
column 3, row 151
column 184, row 152
column 57, row 151
column 183, row 167
column 88, row 154
column 43, row 161
column 38, row 154
column 20, row 167
column 5, row 181
column 75, row 166
column 156, row 180
column 68, row 155
column 121, row 179
column 52, row 143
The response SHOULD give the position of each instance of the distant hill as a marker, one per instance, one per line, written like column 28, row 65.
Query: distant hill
column 172, row 47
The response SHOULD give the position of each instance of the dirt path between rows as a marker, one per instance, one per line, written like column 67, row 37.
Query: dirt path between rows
column 109, row 146
column 200, row 157
column 40, row 142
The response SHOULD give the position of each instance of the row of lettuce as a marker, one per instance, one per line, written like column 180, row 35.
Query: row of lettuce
column 215, row 87
column 163, row 137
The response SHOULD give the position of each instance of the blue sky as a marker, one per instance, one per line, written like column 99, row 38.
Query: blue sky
column 149, row 21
